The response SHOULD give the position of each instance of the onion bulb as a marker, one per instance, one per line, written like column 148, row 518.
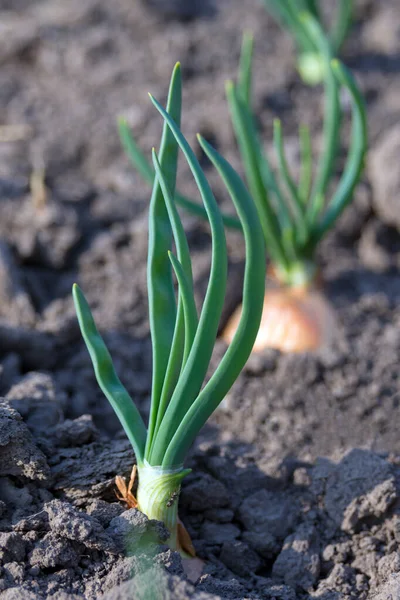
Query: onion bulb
column 294, row 319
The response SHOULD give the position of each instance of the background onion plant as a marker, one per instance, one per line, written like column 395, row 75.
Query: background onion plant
column 294, row 213
column 182, row 340
column 310, row 63
column 297, row 213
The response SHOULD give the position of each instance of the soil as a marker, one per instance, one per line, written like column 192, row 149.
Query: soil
column 270, row 517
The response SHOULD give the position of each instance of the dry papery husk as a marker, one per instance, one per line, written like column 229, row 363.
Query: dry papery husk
column 294, row 319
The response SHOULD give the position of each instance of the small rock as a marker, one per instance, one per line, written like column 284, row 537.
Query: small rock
column 36, row 522
column 389, row 564
column 123, row 570
column 298, row 564
column 388, row 590
column 228, row 468
column 18, row 453
column 239, row 558
column 220, row 589
column 278, row 592
column 104, row 511
column 67, row 522
column 265, row 544
column 171, row 561
column 337, row 553
column 361, row 486
column 53, row 551
column 84, row 472
column 36, row 398
column 12, row 548
column 20, row 593
column 340, row 581
column 366, row 554
column 204, row 493
column 77, row 432
column 267, row 513
column 14, row 572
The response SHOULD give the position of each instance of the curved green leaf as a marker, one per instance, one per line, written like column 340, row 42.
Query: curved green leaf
column 182, row 341
column 107, row 378
column 250, row 152
column 189, row 305
column 356, row 156
column 162, row 303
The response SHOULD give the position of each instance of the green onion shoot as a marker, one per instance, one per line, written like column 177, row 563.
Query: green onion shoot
column 182, row 339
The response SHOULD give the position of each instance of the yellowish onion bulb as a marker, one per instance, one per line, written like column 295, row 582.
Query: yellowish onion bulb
column 297, row 319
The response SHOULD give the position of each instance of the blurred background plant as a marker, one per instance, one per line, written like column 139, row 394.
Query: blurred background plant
column 310, row 62
column 296, row 214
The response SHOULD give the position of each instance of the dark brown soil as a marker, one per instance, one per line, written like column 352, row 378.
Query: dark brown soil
column 271, row 519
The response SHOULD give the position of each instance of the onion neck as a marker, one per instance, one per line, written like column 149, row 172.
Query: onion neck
column 158, row 495
column 299, row 275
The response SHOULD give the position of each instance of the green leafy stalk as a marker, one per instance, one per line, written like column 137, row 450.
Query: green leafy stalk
column 253, row 161
column 331, row 112
column 162, row 304
column 187, row 320
column 355, row 161
column 286, row 13
column 245, row 68
column 195, row 369
column 342, row 24
column 291, row 187
column 291, row 212
column 306, row 163
column 107, row 378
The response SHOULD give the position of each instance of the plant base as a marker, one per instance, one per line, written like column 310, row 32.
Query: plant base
column 157, row 497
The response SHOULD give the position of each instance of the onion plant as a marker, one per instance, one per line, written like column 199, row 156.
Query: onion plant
column 311, row 65
column 296, row 213
column 182, row 340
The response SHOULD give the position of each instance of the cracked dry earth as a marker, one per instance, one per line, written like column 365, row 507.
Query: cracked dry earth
column 295, row 488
